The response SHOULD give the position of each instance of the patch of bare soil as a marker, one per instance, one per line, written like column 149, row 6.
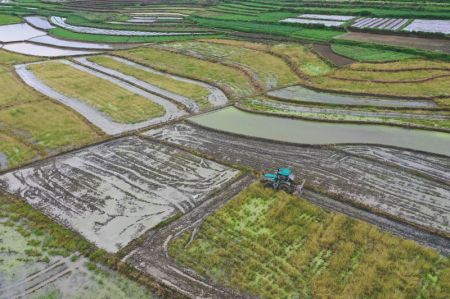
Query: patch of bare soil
column 113, row 192
column 326, row 52
column 423, row 43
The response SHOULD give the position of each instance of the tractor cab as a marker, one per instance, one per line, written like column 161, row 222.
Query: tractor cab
column 282, row 179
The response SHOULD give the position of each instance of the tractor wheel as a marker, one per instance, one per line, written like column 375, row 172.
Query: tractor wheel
column 268, row 185
column 287, row 188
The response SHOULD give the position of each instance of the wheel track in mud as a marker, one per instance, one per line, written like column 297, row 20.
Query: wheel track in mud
column 379, row 180
column 40, row 279
column 152, row 256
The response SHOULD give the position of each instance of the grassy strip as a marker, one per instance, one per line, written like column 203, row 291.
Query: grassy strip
column 360, row 53
column 400, row 76
column 13, row 91
column 381, row 47
column 120, row 104
column 66, row 34
column 232, row 81
column 434, row 88
column 47, row 125
column 410, row 122
column 279, row 246
column 404, row 65
column 269, row 28
column 269, row 70
column 15, row 151
column 303, row 58
column 9, row 58
column 9, row 19
column 192, row 91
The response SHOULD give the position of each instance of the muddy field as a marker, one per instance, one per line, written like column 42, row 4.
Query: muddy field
column 390, row 182
column 113, row 192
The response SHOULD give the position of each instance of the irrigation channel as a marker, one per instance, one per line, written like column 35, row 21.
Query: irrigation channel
column 233, row 120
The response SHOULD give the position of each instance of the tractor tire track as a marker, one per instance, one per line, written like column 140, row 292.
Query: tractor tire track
column 152, row 256
column 385, row 183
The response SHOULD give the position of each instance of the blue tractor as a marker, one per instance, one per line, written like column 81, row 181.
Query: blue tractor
column 283, row 179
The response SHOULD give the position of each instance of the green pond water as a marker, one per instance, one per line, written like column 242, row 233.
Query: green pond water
column 233, row 120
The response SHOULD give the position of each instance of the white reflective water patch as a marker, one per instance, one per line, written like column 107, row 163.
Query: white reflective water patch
column 434, row 26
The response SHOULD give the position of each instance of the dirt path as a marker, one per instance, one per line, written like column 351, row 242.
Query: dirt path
column 152, row 257
column 326, row 52
column 430, row 44
column 94, row 116
column 407, row 193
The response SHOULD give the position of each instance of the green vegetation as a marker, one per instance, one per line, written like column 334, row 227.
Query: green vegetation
column 14, row 91
column 32, row 242
column 356, row 74
column 15, row 151
column 120, row 104
column 9, row 19
column 269, row 106
column 361, row 53
column 409, row 64
column 279, row 246
column 429, row 89
column 303, row 58
column 268, row 70
column 270, row 29
column 47, row 125
column 231, row 80
column 192, row 91
column 66, row 34
column 8, row 58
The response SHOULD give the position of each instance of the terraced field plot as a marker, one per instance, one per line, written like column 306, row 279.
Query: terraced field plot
column 234, row 82
column 301, row 94
column 34, row 265
column 421, row 118
column 112, row 193
column 193, row 94
column 380, row 186
column 279, row 246
column 267, row 70
column 112, row 105
column 31, row 125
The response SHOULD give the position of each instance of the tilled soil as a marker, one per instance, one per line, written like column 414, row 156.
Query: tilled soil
column 386, row 182
column 326, row 52
column 433, row 44
column 113, row 192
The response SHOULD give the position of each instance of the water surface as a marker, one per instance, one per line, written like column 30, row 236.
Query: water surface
column 236, row 121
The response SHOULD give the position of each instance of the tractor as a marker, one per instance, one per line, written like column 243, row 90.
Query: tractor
column 283, row 179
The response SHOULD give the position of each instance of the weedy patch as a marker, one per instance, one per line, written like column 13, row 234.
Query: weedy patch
column 277, row 245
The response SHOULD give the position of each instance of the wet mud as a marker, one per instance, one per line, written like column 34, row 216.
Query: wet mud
column 397, row 183
column 113, row 192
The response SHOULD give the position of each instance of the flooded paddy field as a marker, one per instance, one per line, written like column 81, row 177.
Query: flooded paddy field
column 33, row 49
column 33, row 267
column 236, row 121
column 393, row 183
column 18, row 32
column 302, row 94
column 113, row 192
